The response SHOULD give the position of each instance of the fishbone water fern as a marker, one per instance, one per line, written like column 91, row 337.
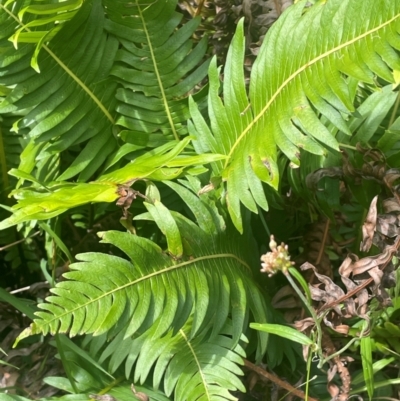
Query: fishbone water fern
column 294, row 82
column 147, row 301
column 102, row 72
column 112, row 101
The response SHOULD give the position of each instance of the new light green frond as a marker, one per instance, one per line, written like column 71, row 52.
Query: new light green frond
column 45, row 202
column 157, row 65
column 299, row 75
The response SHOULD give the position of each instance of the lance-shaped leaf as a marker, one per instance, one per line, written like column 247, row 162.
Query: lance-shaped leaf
column 299, row 75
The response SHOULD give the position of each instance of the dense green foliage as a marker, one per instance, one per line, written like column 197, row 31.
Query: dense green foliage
column 105, row 100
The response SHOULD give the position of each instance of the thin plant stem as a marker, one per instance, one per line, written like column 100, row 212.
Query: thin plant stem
column 342, row 145
column 309, row 308
column 264, row 223
column 395, row 108
column 64, row 361
column 308, row 376
column 337, row 353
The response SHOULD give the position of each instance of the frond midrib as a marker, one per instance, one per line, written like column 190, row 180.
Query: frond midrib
column 148, row 276
column 157, row 72
column 294, row 75
column 95, row 99
column 203, row 379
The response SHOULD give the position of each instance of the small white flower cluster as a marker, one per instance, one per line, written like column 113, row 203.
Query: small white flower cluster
column 276, row 260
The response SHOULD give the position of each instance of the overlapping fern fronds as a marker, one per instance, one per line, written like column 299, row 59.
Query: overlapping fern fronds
column 71, row 102
column 200, row 368
column 157, row 65
column 302, row 72
column 207, row 266
column 100, row 65
column 191, row 295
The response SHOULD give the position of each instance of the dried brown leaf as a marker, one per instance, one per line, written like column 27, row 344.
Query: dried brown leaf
column 391, row 205
column 304, row 324
column 329, row 294
column 103, row 397
column 368, row 227
column 138, row 394
column 371, row 262
column 388, row 225
column 333, row 390
column 391, row 176
column 313, row 178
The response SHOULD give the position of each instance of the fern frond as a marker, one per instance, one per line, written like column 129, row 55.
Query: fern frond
column 201, row 368
column 212, row 279
column 156, row 70
column 100, row 70
column 299, row 75
column 159, row 164
column 72, row 101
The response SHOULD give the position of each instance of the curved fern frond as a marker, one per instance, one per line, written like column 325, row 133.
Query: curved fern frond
column 201, row 368
column 211, row 281
column 107, row 65
column 156, row 70
column 301, row 73
column 72, row 101
column 41, row 202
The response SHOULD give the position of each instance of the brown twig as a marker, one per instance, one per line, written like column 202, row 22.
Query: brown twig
column 199, row 8
column 279, row 382
column 18, row 242
column 278, row 7
column 323, row 242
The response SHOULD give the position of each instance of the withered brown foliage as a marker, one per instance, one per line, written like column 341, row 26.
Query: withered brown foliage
column 363, row 278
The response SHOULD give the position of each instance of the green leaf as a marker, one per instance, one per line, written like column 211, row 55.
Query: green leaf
column 156, row 70
column 34, row 204
column 57, row 240
column 377, row 385
column 283, row 331
column 328, row 47
column 372, row 112
column 377, row 367
column 71, row 102
column 366, row 360
column 296, row 274
column 17, row 303
column 163, row 218
column 152, row 288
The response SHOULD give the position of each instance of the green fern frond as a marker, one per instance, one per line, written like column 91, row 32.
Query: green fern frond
column 156, row 70
column 49, row 201
column 202, row 368
column 49, row 17
column 101, row 69
column 72, row 101
column 212, row 280
column 299, row 75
